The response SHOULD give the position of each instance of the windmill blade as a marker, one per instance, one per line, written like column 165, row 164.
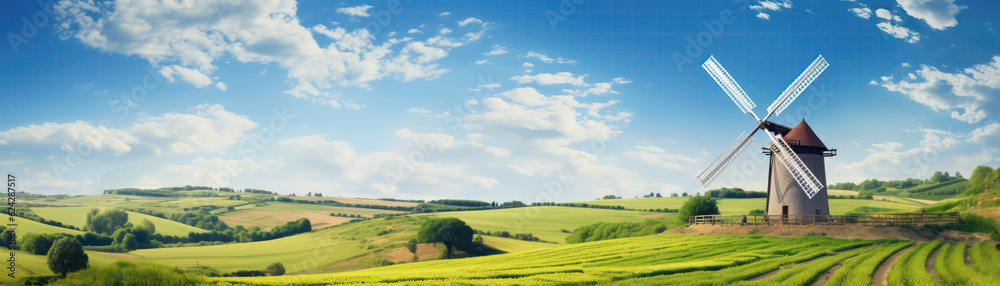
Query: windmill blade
column 729, row 85
column 708, row 175
column 800, row 172
column 797, row 87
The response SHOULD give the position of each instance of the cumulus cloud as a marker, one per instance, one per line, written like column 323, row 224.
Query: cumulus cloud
column 939, row 14
column 359, row 11
column 252, row 32
column 963, row 93
column 765, row 7
column 547, row 79
column 547, row 59
column 481, row 62
column 468, row 21
column 899, row 32
column 862, row 12
column 496, row 50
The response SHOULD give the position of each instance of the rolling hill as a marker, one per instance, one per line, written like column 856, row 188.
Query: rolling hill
column 77, row 216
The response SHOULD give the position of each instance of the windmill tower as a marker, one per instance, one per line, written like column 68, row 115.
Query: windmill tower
column 793, row 187
column 784, row 195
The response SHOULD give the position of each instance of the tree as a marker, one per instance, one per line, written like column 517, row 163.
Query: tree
column 610, row 197
column 275, row 269
column 412, row 247
column 658, row 195
column 684, row 194
column 478, row 240
column 698, row 205
column 673, row 195
column 66, row 255
column 958, row 175
column 149, row 226
column 129, row 242
column 107, row 221
column 937, row 177
column 451, row 232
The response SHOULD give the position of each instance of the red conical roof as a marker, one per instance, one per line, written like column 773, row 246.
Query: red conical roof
column 803, row 135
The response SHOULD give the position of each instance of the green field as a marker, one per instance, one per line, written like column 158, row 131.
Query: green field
column 649, row 260
column 546, row 223
column 510, row 245
column 165, row 205
column 743, row 206
column 269, row 214
column 33, row 265
column 77, row 216
column 25, row 226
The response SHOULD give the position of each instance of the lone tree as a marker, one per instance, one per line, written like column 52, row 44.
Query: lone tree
column 107, row 221
column 66, row 255
column 698, row 205
column 275, row 269
column 451, row 232
column 412, row 247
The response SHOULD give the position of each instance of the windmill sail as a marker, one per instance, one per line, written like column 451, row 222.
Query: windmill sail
column 728, row 84
column 708, row 175
column 798, row 86
column 800, row 172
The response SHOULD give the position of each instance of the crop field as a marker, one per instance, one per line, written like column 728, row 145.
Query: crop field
column 267, row 215
column 358, row 201
column 546, row 223
column 510, row 245
column 648, row 260
column 165, row 205
column 25, row 226
column 743, row 206
column 77, row 216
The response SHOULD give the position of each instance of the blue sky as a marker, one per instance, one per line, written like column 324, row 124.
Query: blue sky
column 525, row 100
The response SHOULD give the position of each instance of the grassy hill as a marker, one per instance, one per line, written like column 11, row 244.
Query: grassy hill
column 269, row 214
column 546, row 223
column 77, row 216
column 742, row 206
column 938, row 191
column 658, row 259
column 25, row 226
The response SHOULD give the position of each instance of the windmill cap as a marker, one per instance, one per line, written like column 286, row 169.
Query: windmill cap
column 803, row 135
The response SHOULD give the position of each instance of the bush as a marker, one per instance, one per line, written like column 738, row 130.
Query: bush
column 612, row 230
column 66, row 255
column 275, row 269
column 699, row 205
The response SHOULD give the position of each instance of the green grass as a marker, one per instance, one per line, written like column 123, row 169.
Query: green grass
column 25, row 226
column 313, row 252
column 270, row 214
column 743, row 206
column 802, row 274
column 35, row 265
column 545, row 223
column 648, row 260
column 77, row 216
column 911, row 267
column 985, row 259
column 950, row 267
column 130, row 273
column 859, row 270
column 515, row 245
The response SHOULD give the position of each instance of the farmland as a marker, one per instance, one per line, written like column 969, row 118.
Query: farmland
column 546, row 223
column 657, row 260
column 269, row 214
column 76, row 216
column 742, row 206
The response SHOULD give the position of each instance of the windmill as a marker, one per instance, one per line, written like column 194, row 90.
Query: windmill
column 793, row 187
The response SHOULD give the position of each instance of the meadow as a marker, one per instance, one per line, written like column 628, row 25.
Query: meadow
column 546, row 223
column 77, row 216
column 649, row 260
column 269, row 214
column 744, row 206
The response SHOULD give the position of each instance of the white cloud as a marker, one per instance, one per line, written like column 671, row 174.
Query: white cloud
column 964, row 93
column 191, row 76
column 905, row 65
column 481, row 62
column 862, row 12
column 262, row 72
column 444, row 14
column 469, row 20
column 621, row 80
column 547, row 79
column 444, row 31
column 360, row 11
column 527, row 64
column 221, row 86
column 547, row 59
column 939, row 14
column 899, row 32
column 650, row 149
column 209, row 128
column 883, row 13
column 413, row 31
column 257, row 32
column 763, row 7
column 496, row 50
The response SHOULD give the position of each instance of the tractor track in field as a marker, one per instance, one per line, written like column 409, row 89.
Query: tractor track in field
column 930, row 266
column 769, row 274
column 881, row 276
column 821, row 279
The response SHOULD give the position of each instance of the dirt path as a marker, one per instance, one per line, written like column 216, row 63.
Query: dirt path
column 881, row 276
column 968, row 262
column 930, row 266
column 826, row 275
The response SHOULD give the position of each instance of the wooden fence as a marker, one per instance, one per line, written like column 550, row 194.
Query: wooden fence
column 864, row 219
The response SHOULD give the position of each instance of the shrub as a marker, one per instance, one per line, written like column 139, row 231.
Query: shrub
column 275, row 269
column 698, row 205
column 612, row 230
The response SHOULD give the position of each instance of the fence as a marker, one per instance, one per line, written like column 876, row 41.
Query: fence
column 863, row 219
